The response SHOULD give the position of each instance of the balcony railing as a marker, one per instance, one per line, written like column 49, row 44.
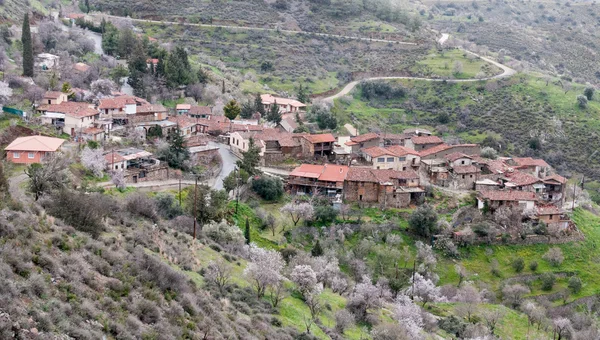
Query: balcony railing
column 308, row 182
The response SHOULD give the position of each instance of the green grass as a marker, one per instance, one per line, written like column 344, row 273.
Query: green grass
column 580, row 258
column 442, row 65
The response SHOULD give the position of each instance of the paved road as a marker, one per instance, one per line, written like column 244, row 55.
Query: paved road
column 228, row 160
column 506, row 72
column 258, row 29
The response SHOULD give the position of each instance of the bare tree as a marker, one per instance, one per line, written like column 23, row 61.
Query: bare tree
column 219, row 273
column 277, row 293
column 298, row 211
column 492, row 317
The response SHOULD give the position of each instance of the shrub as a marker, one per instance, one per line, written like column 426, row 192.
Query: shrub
column 533, row 265
column 268, row 188
column 582, row 101
column 518, row 264
column 554, row 256
column 489, row 153
column 481, row 229
column 141, row 205
column 167, row 207
column 423, row 221
column 496, row 268
column 575, row 284
column 147, row 312
column 548, row 280
column 325, row 213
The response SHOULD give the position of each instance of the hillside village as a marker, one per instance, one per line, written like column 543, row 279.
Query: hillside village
column 143, row 195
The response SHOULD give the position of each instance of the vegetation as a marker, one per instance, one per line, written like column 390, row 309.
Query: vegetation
column 27, row 47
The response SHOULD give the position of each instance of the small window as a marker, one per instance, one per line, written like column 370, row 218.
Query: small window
column 403, row 168
column 470, row 176
column 360, row 197
column 116, row 167
column 381, row 159
column 463, row 176
column 402, row 159
column 550, row 216
column 462, row 162
column 31, row 155
column 390, row 159
column 16, row 155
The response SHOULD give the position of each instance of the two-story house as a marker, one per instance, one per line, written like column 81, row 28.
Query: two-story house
column 421, row 143
column 326, row 180
column 393, row 157
column 385, row 188
column 70, row 117
column 364, row 141
column 317, row 145
column 285, row 105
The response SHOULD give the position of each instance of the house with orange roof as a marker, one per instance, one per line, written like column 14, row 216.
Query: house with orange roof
column 326, row 180
column 125, row 109
column 32, row 149
column 365, row 140
column 500, row 198
column 317, row 145
column 420, row 143
column 382, row 188
column 285, row 105
column 395, row 157
column 69, row 117
column 537, row 167
column 54, row 97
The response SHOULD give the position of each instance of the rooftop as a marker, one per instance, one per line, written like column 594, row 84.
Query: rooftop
column 322, row 138
column 511, row 195
column 74, row 109
column 465, row 169
column 377, row 151
column 52, row 94
column 456, row 155
column 427, row 140
column 270, row 99
column 365, row 137
column 35, row 143
column 326, row 173
column 183, row 107
column 528, row 161
column 378, row 175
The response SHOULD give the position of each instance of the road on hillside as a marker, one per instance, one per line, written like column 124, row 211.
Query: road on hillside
column 506, row 72
column 229, row 160
column 258, row 29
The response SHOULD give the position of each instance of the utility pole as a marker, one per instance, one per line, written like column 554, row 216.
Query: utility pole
column 237, row 196
column 412, row 294
column 574, row 188
column 195, row 205
column 180, row 191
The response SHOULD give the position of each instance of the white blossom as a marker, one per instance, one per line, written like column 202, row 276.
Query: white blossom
column 5, row 92
column 93, row 160
column 408, row 314
column 265, row 268
column 424, row 290
column 298, row 211
column 305, row 279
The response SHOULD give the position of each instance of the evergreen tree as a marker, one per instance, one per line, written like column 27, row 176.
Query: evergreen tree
column 127, row 43
column 178, row 70
column 110, row 38
column 247, row 110
column 247, row 231
column 317, row 250
column 258, row 105
column 232, row 110
column 87, row 6
column 274, row 115
column 178, row 153
column 223, row 87
column 302, row 95
column 154, row 132
column 250, row 159
column 203, row 76
column 137, row 69
column 27, row 47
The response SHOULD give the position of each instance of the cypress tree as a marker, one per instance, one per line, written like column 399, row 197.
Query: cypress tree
column 317, row 250
column 137, row 68
column 247, row 231
column 274, row 115
column 258, row 105
column 27, row 48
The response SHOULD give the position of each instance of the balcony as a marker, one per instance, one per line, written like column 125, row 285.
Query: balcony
column 313, row 183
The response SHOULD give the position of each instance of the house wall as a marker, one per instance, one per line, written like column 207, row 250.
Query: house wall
column 130, row 109
column 361, row 192
column 463, row 161
column 158, row 174
column 549, row 218
column 62, row 98
column 368, row 144
column 308, row 149
column 77, row 123
column 117, row 166
column 396, row 163
column 467, row 150
column 397, row 200
column 421, row 147
column 23, row 156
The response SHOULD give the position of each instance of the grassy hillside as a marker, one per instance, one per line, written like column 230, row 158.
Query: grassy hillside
column 13, row 10
column 522, row 110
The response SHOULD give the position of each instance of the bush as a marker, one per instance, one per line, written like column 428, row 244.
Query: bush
column 533, row 265
column 548, row 280
column 141, row 205
column 518, row 264
column 325, row 213
column 489, row 153
column 423, row 221
column 269, row 188
column 575, row 284
column 167, row 207
column 554, row 256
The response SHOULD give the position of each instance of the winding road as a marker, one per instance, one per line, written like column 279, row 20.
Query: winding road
column 506, row 72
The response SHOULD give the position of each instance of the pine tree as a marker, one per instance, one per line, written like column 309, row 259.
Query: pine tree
column 302, row 95
column 178, row 152
column 27, row 48
column 177, row 69
column 87, row 6
column 223, row 87
column 317, row 250
column 274, row 115
column 247, row 231
column 232, row 110
column 258, row 105
column 137, row 69
column 250, row 159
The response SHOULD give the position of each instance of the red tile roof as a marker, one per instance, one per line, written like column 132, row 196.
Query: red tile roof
column 402, row 150
column 322, row 138
column 510, row 195
column 183, row 106
column 528, row 161
column 456, row 155
column 183, row 121
column 200, row 110
column 548, row 210
column 426, row 140
column 92, row 131
column 466, row 169
column 113, row 156
column 81, row 67
column 443, row 147
column 326, row 173
column 52, row 94
column 73, row 109
column 150, row 108
column 520, row 178
column 558, row 178
column 269, row 99
column 377, row 151
column 366, row 137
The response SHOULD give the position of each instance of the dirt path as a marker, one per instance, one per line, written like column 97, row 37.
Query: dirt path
column 255, row 29
column 506, row 72
column 14, row 187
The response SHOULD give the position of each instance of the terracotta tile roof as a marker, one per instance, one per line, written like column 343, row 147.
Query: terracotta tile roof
column 183, row 107
column 52, row 94
column 402, row 150
column 326, row 173
column 443, row 147
column 153, row 61
column 456, row 155
column 558, row 178
column 426, row 140
column 73, row 109
column 269, row 99
column 150, row 108
column 35, row 143
column 182, row 121
column 466, row 169
column 393, row 136
column 550, row 209
column 285, row 139
column 493, row 165
column 415, row 131
column 510, row 195
column 520, row 178
column 113, row 156
column 200, row 110
column 363, row 138
column 322, row 138
column 378, row 175
column 120, row 102
column 528, row 161
column 92, row 131
column 377, row 151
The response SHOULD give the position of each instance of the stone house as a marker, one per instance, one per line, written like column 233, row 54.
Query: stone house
column 421, row 143
column 393, row 157
column 275, row 146
column 201, row 112
column 440, row 151
column 138, row 165
column 499, row 198
column 384, row 188
column 363, row 141
column 54, row 97
column 326, row 180
column 317, row 145
column 537, row 167
column 71, row 118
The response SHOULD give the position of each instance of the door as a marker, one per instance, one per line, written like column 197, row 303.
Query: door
column 135, row 179
column 72, row 132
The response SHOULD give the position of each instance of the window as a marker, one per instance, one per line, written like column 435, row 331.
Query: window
column 550, row 216
column 116, row 167
column 463, row 176
column 390, row 159
column 31, row 155
column 470, row 176
column 402, row 159
column 381, row 159
column 16, row 155
column 360, row 197
column 403, row 168
column 462, row 162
